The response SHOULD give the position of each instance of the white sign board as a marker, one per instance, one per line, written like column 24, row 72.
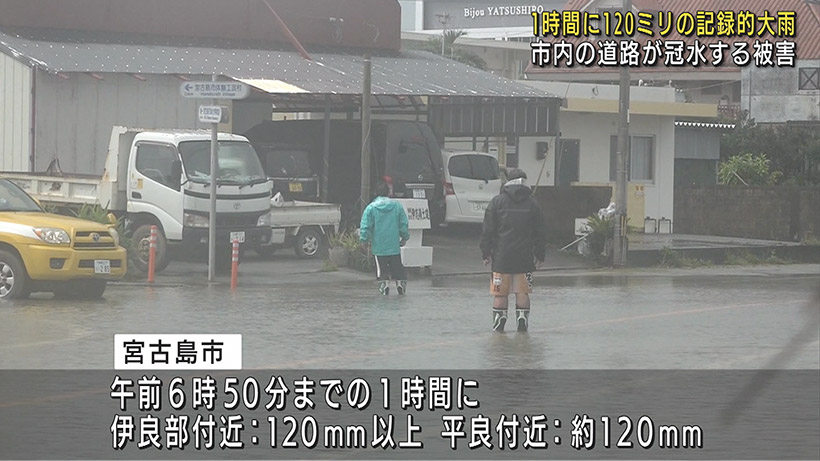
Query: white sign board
column 418, row 213
column 210, row 114
column 582, row 227
column 216, row 90
column 180, row 351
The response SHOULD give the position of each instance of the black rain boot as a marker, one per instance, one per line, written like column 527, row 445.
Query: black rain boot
column 522, row 318
column 499, row 320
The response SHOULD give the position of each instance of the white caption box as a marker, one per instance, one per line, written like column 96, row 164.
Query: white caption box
column 177, row 352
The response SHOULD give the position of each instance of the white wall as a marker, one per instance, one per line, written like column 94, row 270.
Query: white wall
column 529, row 163
column 15, row 115
column 412, row 14
column 594, row 131
column 606, row 92
column 771, row 95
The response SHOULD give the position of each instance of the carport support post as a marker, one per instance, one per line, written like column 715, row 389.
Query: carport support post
column 326, row 151
column 619, row 239
column 212, row 214
column 365, row 192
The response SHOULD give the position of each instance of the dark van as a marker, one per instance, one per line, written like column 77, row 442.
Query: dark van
column 294, row 173
column 404, row 153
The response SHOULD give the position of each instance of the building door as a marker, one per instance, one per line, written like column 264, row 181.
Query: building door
column 567, row 162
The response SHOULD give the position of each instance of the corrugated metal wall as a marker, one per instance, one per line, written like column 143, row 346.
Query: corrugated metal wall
column 696, row 143
column 15, row 114
column 74, row 115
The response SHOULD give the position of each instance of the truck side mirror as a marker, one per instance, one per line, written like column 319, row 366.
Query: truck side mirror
column 176, row 174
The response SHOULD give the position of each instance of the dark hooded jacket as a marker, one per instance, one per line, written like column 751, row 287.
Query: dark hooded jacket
column 514, row 231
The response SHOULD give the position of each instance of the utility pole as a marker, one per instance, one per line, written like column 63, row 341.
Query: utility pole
column 443, row 19
column 212, row 205
column 619, row 239
column 365, row 192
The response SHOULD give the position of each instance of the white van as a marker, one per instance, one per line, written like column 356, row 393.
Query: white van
column 471, row 180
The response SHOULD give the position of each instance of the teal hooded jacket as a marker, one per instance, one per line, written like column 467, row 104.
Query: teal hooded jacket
column 384, row 224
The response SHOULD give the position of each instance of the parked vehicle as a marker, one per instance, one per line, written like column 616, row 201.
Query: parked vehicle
column 290, row 168
column 304, row 226
column 47, row 252
column 472, row 179
column 404, row 153
column 163, row 178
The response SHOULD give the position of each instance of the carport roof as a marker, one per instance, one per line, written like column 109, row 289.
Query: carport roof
column 340, row 72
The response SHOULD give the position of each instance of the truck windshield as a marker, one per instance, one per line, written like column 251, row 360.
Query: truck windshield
column 12, row 198
column 238, row 162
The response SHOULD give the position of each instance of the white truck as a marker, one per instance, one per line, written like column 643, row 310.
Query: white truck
column 304, row 226
column 162, row 178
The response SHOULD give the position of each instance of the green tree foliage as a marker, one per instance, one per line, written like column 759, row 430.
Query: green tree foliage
column 748, row 170
column 794, row 151
column 452, row 51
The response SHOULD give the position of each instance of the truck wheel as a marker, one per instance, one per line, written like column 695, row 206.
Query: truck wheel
column 310, row 243
column 13, row 278
column 142, row 243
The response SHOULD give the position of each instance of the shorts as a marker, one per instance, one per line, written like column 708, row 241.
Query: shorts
column 506, row 284
column 390, row 268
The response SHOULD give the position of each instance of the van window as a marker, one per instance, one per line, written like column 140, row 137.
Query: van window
column 474, row 167
column 288, row 163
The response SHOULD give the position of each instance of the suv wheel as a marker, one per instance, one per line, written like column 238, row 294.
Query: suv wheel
column 13, row 278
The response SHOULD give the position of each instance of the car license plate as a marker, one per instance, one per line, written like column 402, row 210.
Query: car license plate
column 295, row 187
column 240, row 236
column 419, row 193
column 102, row 266
column 479, row 206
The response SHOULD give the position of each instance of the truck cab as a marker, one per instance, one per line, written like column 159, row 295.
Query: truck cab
column 40, row 251
column 168, row 185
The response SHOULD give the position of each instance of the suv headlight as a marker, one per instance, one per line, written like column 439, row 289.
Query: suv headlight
column 264, row 220
column 52, row 235
column 194, row 220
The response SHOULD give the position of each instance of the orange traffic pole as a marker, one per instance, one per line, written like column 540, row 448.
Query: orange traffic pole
column 234, row 264
column 152, row 253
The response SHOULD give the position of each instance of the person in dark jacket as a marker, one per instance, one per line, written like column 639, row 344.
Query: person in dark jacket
column 513, row 240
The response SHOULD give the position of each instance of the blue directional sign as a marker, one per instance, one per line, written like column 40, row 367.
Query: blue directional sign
column 214, row 90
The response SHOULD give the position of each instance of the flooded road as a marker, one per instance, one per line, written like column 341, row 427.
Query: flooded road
column 719, row 320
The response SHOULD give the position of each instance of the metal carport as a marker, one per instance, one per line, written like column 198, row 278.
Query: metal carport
column 457, row 100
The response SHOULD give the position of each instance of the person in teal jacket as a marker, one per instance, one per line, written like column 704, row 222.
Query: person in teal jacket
column 384, row 227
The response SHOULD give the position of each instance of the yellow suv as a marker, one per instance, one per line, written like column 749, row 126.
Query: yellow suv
column 40, row 251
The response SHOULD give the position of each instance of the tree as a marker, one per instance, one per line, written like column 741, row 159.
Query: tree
column 792, row 150
column 450, row 50
column 747, row 169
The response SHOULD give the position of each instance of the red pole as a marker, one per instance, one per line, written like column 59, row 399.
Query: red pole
column 152, row 253
column 234, row 263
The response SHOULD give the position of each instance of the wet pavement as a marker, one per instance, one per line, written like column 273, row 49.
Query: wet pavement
column 456, row 251
column 714, row 318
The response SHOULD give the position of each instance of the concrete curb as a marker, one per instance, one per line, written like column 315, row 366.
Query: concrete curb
column 719, row 255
